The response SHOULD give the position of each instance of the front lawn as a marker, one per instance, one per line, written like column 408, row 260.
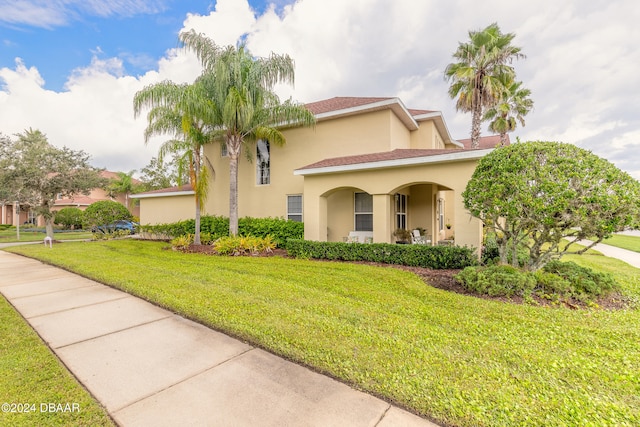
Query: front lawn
column 623, row 241
column 456, row 359
column 31, row 378
column 30, row 235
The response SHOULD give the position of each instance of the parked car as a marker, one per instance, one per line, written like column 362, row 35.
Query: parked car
column 129, row 226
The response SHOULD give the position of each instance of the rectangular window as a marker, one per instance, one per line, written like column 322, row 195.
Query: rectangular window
column 223, row 150
column 294, row 207
column 32, row 218
column 441, row 214
column 401, row 211
column 263, row 163
column 363, row 212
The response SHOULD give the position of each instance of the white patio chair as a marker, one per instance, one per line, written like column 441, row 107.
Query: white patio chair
column 416, row 238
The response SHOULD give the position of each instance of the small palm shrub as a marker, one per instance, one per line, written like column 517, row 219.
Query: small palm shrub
column 244, row 245
column 182, row 243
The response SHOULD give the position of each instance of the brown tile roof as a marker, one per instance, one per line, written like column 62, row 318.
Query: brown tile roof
column 341, row 103
column 398, row 154
column 415, row 112
column 345, row 102
column 378, row 157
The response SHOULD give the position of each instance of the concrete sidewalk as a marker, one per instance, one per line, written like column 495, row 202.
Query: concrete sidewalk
column 148, row 366
column 630, row 257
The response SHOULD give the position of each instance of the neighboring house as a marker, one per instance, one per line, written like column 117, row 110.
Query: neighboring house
column 370, row 166
column 80, row 201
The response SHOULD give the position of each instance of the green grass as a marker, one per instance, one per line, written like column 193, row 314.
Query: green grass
column 456, row 359
column 26, row 235
column 30, row 374
column 631, row 243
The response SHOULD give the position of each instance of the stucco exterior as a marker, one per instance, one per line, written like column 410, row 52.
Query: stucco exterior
column 359, row 145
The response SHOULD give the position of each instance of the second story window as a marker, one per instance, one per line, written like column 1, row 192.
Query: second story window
column 263, row 165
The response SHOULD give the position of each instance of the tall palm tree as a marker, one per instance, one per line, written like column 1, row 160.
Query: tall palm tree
column 514, row 105
column 476, row 79
column 181, row 110
column 240, row 92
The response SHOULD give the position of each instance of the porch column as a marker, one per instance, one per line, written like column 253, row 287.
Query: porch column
column 468, row 230
column 382, row 218
column 315, row 217
column 4, row 214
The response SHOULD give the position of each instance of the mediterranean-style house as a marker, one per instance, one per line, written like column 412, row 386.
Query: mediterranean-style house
column 368, row 167
column 28, row 215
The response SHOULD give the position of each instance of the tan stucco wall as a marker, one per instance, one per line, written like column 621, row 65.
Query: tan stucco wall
column 162, row 210
column 377, row 131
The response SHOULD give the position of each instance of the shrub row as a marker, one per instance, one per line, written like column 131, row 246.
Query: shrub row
column 218, row 226
column 556, row 281
column 435, row 257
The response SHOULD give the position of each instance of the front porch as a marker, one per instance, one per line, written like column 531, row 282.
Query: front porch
column 382, row 200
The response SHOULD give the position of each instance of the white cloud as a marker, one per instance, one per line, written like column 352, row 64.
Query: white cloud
column 581, row 64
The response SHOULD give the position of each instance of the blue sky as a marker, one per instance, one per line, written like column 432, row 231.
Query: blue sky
column 137, row 32
column 70, row 68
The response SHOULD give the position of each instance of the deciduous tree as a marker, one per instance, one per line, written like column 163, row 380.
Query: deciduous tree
column 34, row 172
column 536, row 194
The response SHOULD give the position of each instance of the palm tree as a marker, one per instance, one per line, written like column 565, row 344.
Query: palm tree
column 476, row 79
column 240, row 92
column 515, row 104
column 183, row 111
column 123, row 185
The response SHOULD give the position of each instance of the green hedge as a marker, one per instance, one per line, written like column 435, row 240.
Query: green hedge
column 435, row 257
column 218, row 226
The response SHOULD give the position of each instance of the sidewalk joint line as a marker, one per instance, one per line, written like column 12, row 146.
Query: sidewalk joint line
column 116, row 331
column 384, row 414
column 210, row 368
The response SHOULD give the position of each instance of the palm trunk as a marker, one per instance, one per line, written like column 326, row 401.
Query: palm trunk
column 475, row 127
column 233, row 194
column 196, row 237
column 234, row 144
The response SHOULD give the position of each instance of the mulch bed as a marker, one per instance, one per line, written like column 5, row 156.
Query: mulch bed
column 444, row 279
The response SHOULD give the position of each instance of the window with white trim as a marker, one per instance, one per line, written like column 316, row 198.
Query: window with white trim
column 263, row 163
column 363, row 211
column 441, row 214
column 224, row 152
column 294, row 207
column 401, row 211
